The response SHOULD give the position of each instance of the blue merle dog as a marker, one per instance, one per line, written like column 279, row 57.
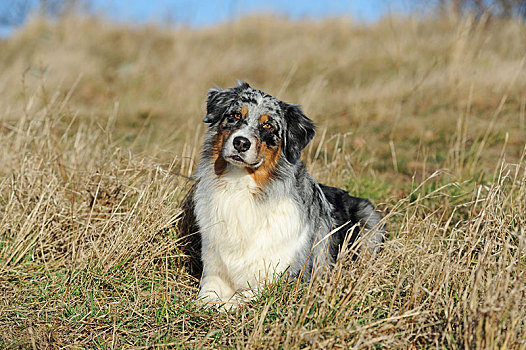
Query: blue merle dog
column 259, row 212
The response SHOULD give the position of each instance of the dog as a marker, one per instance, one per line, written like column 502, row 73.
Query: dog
column 259, row 212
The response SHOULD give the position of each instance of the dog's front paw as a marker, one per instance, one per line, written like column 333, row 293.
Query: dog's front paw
column 210, row 299
column 214, row 291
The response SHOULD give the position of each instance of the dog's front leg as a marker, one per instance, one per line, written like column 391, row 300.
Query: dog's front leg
column 214, row 290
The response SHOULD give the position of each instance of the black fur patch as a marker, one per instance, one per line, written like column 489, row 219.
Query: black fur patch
column 299, row 132
column 347, row 213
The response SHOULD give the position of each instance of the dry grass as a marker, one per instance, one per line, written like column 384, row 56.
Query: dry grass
column 100, row 131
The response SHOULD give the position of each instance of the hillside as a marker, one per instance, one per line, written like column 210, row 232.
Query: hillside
column 100, row 129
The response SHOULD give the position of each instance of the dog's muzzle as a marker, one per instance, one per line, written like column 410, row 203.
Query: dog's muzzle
column 241, row 144
column 240, row 150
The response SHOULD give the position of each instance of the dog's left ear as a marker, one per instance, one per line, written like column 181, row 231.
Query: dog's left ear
column 299, row 131
column 217, row 102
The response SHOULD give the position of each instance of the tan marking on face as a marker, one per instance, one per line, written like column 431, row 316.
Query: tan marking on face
column 266, row 170
column 263, row 119
column 244, row 111
column 219, row 162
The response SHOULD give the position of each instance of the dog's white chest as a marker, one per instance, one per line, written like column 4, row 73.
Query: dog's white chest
column 250, row 238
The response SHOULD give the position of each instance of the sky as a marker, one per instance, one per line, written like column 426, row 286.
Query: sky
column 195, row 13
column 209, row 12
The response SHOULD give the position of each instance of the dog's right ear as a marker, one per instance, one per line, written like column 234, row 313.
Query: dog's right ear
column 217, row 102
column 299, row 131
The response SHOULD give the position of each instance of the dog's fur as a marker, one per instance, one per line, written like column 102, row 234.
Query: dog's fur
column 259, row 212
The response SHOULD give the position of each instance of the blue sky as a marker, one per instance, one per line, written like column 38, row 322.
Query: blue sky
column 209, row 12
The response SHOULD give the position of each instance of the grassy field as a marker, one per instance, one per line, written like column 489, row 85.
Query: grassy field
column 100, row 129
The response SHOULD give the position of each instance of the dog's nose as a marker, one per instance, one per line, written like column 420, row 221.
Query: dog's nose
column 241, row 144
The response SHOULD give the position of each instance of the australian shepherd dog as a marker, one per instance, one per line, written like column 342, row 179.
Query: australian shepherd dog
column 259, row 212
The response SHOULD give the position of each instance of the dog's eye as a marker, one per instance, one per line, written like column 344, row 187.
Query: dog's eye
column 234, row 116
column 267, row 126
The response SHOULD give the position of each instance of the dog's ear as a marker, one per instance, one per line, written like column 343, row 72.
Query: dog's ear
column 298, row 132
column 241, row 85
column 219, row 100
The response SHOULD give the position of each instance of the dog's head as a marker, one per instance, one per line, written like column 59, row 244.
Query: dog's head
column 254, row 130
